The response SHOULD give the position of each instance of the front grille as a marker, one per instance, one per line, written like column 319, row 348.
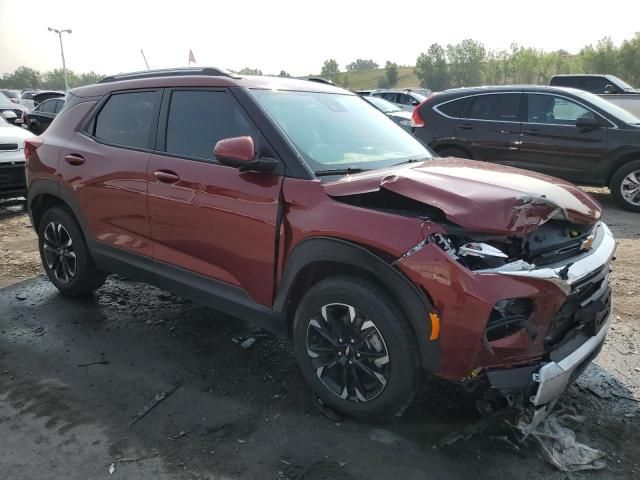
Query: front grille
column 588, row 304
column 12, row 178
column 18, row 112
column 8, row 147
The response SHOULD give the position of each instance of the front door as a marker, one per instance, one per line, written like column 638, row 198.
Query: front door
column 554, row 145
column 207, row 218
column 491, row 126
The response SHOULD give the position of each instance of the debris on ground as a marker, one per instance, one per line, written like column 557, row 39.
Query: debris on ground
column 559, row 446
column 101, row 362
column 39, row 331
column 112, row 468
column 153, row 404
column 327, row 411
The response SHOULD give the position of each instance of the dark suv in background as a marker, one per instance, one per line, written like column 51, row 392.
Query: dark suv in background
column 567, row 133
column 598, row 84
column 301, row 206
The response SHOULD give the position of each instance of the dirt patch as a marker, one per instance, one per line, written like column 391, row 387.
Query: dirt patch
column 19, row 257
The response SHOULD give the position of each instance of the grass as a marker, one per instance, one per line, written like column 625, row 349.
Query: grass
column 369, row 79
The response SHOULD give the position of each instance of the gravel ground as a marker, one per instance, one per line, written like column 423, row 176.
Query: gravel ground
column 75, row 373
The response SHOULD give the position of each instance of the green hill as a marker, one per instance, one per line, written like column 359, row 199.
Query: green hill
column 369, row 79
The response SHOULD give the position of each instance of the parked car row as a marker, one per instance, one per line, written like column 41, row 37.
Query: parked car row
column 405, row 99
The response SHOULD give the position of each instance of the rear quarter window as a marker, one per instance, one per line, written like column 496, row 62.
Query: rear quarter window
column 126, row 119
column 454, row 108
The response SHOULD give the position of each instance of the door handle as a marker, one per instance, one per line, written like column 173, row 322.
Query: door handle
column 465, row 126
column 532, row 130
column 74, row 159
column 166, row 176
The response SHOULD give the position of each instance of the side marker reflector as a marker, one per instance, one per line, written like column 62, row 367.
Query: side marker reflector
column 435, row 326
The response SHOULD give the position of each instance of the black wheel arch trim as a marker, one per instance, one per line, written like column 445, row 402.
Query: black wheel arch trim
column 411, row 299
column 46, row 186
column 443, row 143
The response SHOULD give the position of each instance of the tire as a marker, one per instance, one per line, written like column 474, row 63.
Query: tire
column 453, row 152
column 384, row 356
column 624, row 181
column 65, row 256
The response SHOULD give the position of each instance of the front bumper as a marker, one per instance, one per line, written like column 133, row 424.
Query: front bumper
column 12, row 175
column 553, row 378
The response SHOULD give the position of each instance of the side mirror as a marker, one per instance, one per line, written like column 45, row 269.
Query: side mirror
column 588, row 123
column 9, row 115
column 610, row 89
column 240, row 153
column 415, row 103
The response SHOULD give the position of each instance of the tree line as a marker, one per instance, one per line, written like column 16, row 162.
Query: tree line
column 467, row 63
column 27, row 78
column 470, row 63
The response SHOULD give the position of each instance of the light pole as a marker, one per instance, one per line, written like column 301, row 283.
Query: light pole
column 64, row 66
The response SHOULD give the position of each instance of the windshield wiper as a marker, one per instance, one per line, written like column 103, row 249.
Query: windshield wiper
column 412, row 160
column 339, row 171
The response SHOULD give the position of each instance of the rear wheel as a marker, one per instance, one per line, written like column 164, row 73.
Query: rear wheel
column 65, row 256
column 356, row 349
column 625, row 186
column 453, row 152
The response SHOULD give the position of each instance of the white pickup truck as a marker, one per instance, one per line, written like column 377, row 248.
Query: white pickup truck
column 609, row 87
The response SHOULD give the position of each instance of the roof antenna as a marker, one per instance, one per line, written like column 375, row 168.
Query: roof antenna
column 145, row 59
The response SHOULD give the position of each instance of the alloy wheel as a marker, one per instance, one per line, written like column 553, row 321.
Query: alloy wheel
column 630, row 188
column 348, row 353
column 59, row 253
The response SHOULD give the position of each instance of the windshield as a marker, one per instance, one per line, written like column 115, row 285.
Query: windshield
column 382, row 104
column 4, row 98
column 335, row 131
column 610, row 108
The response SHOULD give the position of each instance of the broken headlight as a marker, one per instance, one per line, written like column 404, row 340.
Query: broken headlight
column 473, row 255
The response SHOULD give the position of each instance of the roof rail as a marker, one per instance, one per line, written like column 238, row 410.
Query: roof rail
column 167, row 72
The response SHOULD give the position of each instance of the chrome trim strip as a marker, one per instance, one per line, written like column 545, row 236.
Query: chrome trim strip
column 517, row 92
column 568, row 273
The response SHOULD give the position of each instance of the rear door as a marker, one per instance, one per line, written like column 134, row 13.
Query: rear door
column 491, row 126
column 207, row 218
column 106, row 165
column 552, row 144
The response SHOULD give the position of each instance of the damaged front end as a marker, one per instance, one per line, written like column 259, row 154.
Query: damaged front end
column 521, row 315
column 519, row 280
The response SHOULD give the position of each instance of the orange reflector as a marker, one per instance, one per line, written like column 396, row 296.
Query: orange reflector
column 435, row 326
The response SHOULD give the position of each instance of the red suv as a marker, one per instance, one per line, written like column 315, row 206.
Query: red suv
column 300, row 205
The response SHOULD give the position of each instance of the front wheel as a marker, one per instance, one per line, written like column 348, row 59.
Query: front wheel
column 356, row 349
column 625, row 186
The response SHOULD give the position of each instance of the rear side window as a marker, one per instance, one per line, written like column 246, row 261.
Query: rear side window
column 502, row 107
column 198, row 119
column 455, row 108
column 47, row 107
column 59, row 105
column 126, row 119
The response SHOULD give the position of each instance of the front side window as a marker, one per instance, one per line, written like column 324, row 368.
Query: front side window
column 336, row 131
column 126, row 119
column 503, row 107
column 390, row 97
column 198, row 119
column 554, row 110
column 59, row 105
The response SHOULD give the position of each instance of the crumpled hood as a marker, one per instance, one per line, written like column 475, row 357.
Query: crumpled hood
column 478, row 196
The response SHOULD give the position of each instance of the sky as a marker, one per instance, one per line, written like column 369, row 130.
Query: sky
column 296, row 36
